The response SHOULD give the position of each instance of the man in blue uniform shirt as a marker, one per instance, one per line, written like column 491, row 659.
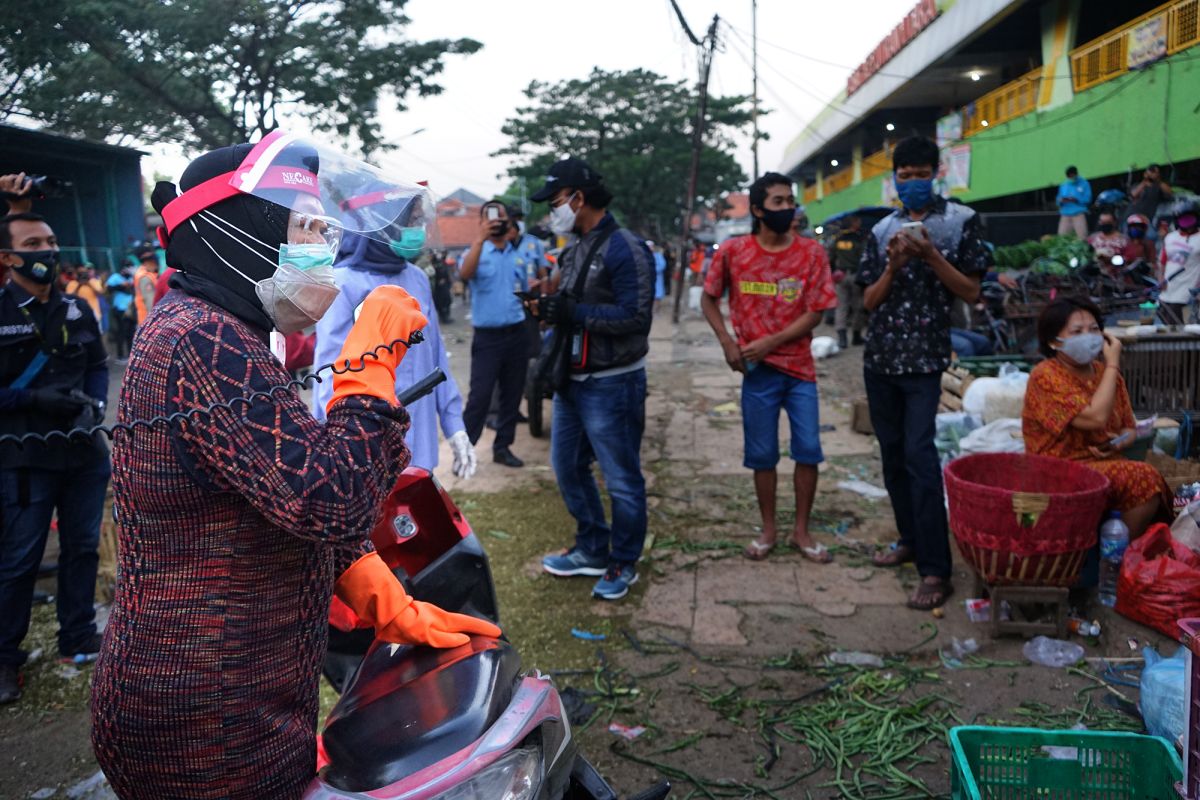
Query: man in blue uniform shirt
column 500, row 346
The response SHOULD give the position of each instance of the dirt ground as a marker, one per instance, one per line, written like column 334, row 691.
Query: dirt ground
column 721, row 662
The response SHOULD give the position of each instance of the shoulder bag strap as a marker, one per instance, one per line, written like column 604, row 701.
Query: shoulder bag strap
column 581, row 278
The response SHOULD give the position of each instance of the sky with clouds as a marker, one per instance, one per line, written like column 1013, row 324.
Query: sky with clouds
column 806, row 48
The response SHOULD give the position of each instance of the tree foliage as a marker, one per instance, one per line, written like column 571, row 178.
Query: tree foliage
column 213, row 72
column 635, row 129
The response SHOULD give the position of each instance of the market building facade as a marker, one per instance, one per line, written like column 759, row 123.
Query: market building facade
column 1014, row 92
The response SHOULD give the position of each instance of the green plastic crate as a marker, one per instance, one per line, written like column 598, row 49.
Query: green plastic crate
column 1010, row 764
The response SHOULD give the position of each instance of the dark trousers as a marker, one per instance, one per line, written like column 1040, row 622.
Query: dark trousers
column 29, row 498
column 499, row 357
column 903, row 413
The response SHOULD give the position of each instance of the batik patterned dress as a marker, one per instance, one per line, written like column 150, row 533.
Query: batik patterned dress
column 233, row 528
column 1055, row 396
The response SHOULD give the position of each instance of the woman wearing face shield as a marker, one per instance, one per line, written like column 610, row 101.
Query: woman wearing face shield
column 1077, row 408
column 238, row 526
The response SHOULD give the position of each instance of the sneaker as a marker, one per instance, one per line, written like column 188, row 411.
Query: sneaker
column 574, row 562
column 84, row 653
column 616, row 582
column 10, row 684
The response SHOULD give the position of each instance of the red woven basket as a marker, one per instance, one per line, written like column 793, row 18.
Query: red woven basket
column 1023, row 519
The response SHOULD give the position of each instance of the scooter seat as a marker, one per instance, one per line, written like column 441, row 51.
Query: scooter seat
column 410, row 707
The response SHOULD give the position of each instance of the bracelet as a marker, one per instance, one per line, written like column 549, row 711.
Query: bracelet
column 1111, row 366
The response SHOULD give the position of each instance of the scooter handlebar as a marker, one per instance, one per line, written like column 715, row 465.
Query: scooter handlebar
column 422, row 387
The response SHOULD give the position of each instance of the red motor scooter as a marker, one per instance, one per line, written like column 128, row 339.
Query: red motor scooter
column 417, row 723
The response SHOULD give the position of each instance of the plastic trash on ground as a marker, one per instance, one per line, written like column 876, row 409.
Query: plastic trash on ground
column 625, row 732
column 856, row 659
column 979, row 609
column 868, row 490
column 1162, row 693
column 1054, row 653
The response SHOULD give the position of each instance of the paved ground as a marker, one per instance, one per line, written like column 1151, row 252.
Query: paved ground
column 713, row 656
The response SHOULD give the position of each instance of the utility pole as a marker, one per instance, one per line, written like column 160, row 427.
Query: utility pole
column 754, row 72
column 706, row 49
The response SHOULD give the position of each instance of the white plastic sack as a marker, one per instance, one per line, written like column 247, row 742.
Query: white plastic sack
column 824, row 347
column 1006, row 400
column 694, row 295
column 976, row 393
column 1001, row 436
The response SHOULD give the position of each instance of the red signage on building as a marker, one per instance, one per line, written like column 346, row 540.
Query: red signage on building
column 923, row 13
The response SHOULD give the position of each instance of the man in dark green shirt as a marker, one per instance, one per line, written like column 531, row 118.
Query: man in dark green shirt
column 844, row 255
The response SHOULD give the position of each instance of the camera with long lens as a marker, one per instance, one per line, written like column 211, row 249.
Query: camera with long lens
column 43, row 186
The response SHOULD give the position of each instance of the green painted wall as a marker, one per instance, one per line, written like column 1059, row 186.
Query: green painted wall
column 1139, row 118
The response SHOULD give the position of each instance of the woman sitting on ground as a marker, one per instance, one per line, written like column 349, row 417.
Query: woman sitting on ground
column 1077, row 408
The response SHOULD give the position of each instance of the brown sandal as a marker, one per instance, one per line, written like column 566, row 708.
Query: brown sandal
column 929, row 596
column 893, row 556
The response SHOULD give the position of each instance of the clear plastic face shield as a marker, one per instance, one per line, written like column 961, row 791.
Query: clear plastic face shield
column 331, row 195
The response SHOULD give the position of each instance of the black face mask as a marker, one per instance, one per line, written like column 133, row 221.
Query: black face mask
column 499, row 228
column 779, row 220
column 1107, row 227
column 39, row 266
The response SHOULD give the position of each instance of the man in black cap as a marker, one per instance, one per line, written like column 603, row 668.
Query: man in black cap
column 603, row 309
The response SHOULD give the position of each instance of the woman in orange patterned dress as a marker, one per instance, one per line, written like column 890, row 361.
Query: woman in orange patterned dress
column 1076, row 407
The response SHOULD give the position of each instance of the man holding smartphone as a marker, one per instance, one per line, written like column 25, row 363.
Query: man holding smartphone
column 916, row 261
column 500, row 346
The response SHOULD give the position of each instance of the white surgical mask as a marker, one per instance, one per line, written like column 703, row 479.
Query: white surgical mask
column 562, row 218
column 302, row 287
column 1083, row 348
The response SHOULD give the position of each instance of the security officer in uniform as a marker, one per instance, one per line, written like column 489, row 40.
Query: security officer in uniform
column 53, row 377
column 844, row 256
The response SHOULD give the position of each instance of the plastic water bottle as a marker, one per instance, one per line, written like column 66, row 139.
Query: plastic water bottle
column 1114, row 538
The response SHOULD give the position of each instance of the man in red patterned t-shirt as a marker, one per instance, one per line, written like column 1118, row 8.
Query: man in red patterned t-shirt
column 779, row 284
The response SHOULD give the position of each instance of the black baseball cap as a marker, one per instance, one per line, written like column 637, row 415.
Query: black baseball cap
column 571, row 171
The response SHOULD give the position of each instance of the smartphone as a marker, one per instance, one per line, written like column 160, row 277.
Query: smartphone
column 493, row 213
column 526, row 296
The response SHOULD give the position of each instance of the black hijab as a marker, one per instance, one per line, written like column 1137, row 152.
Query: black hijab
column 201, row 271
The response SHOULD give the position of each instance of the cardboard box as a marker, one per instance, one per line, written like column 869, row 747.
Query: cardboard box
column 860, row 417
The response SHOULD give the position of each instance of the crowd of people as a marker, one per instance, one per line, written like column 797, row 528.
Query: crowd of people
column 1142, row 228
column 226, row 519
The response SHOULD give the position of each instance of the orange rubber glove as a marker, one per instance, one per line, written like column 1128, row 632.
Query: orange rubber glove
column 377, row 597
column 389, row 313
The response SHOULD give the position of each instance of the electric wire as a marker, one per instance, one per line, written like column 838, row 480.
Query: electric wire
column 65, row 436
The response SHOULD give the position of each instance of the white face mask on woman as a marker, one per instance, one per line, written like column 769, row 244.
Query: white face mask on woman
column 1082, row 348
column 302, row 287
column 562, row 218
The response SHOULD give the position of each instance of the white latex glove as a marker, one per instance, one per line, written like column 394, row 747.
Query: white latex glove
column 464, row 455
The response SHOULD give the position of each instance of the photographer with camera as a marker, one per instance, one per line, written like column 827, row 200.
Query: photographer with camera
column 53, row 377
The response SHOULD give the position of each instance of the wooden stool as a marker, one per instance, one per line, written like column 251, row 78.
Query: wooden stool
column 1049, row 595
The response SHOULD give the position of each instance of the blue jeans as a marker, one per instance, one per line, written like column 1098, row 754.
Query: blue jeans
column 766, row 391
column 602, row 419
column 29, row 498
column 904, row 413
column 970, row 343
